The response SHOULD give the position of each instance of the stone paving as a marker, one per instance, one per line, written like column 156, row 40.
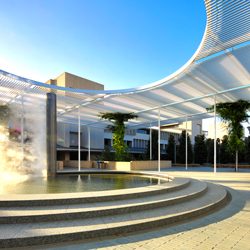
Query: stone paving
column 228, row 228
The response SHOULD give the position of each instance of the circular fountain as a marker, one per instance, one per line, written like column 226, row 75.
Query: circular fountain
column 33, row 219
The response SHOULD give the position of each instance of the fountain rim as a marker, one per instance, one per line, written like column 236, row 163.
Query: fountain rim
column 98, row 194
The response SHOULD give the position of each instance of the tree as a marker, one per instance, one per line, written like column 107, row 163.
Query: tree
column 200, row 150
column 210, row 149
column 118, row 119
column 171, row 148
column 107, row 155
column 225, row 154
column 234, row 113
column 247, row 149
column 182, row 148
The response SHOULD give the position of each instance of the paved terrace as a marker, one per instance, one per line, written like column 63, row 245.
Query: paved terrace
column 228, row 228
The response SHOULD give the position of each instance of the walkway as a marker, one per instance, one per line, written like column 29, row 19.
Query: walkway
column 227, row 229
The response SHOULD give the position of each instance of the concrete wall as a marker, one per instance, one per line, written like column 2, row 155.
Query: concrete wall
column 60, row 80
column 74, row 164
column 137, row 165
column 63, row 133
column 120, row 166
column 96, row 138
column 149, row 165
column 72, row 81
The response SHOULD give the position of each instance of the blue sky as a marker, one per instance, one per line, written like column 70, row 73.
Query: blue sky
column 119, row 43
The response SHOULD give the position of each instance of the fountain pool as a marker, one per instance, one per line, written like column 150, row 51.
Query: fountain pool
column 82, row 183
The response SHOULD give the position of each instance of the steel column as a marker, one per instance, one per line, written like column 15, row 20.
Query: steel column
column 22, row 131
column 159, row 140
column 150, row 145
column 215, row 145
column 88, row 143
column 79, row 140
column 186, row 148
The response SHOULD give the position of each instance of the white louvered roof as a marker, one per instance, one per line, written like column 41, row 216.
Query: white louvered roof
column 220, row 66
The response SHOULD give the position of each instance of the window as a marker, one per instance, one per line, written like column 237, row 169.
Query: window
column 107, row 142
column 74, row 139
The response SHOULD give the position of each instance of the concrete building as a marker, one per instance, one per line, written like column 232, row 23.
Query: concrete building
column 193, row 128
column 72, row 81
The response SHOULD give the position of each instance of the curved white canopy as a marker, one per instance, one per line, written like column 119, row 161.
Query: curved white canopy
column 220, row 66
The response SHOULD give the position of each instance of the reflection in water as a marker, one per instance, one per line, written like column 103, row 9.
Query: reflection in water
column 119, row 183
column 79, row 178
column 81, row 183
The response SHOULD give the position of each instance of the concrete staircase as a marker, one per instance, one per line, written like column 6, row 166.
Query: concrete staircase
column 29, row 220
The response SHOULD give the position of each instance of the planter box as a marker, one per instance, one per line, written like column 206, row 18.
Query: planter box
column 149, row 165
column 119, row 165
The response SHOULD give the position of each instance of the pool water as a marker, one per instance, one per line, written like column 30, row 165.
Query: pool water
column 82, row 183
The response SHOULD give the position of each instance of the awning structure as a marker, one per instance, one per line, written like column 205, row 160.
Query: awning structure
column 220, row 67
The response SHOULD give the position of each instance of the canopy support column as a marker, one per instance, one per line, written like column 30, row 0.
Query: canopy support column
column 79, row 140
column 174, row 151
column 88, row 143
column 186, row 148
column 159, row 140
column 150, row 145
column 215, row 144
column 22, row 131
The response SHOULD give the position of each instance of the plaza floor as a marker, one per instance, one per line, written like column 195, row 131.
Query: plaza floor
column 229, row 228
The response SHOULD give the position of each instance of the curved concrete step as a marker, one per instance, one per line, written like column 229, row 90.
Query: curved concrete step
column 89, row 210
column 9, row 200
column 52, row 232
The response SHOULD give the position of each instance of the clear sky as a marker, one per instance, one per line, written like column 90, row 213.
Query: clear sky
column 119, row 43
